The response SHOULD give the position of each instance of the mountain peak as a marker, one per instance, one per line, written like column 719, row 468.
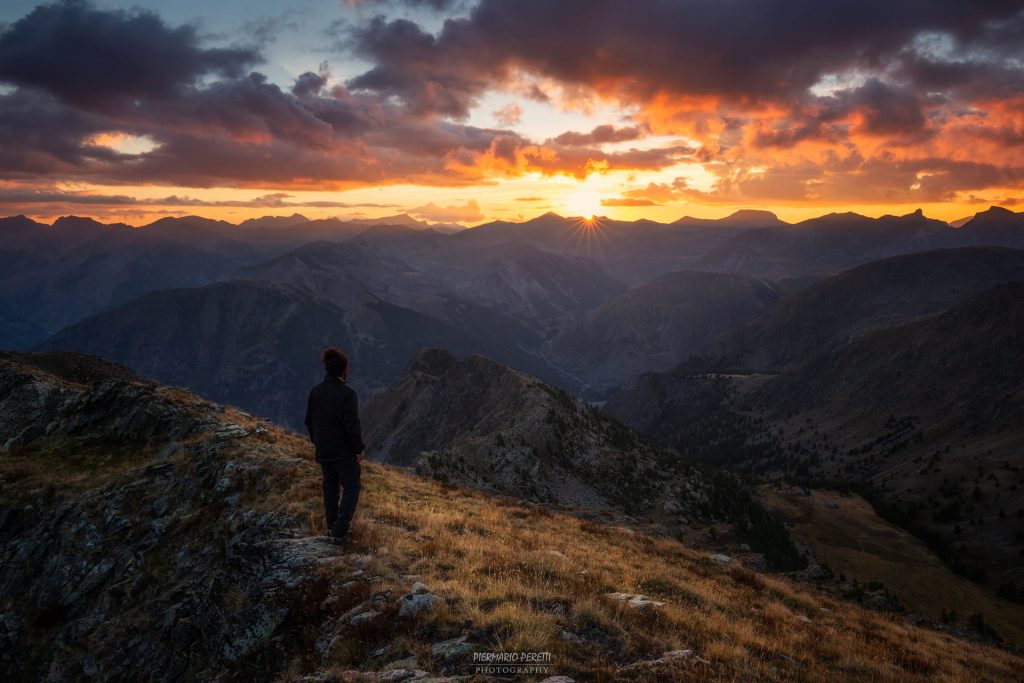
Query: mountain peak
column 747, row 214
column 742, row 217
column 398, row 219
column 75, row 221
column 550, row 215
column 995, row 212
column 274, row 221
column 996, row 220
column 433, row 361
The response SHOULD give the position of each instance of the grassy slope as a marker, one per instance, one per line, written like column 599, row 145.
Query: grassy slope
column 852, row 539
column 515, row 576
column 501, row 566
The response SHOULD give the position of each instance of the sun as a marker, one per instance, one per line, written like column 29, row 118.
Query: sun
column 584, row 203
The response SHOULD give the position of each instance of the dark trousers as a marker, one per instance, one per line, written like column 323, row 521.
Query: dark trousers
column 340, row 475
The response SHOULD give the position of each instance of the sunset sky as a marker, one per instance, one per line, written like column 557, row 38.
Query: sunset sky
column 503, row 109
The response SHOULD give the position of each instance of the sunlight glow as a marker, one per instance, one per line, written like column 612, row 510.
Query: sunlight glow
column 585, row 203
column 124, row 142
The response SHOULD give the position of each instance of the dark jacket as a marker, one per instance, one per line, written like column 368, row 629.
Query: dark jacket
column 332, row 419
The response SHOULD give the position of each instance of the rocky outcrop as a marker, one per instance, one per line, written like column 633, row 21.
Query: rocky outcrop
column 478, row 423
column 132, row 539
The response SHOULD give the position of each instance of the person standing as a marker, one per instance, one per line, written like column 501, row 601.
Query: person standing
column 332, row 420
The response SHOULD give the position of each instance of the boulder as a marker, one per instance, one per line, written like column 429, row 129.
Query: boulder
column 452, row 649
column 412, row 604
column 634, row 601
column 364, row 618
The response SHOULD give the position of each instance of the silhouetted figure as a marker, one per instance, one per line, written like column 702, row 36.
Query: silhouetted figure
column 332, row 419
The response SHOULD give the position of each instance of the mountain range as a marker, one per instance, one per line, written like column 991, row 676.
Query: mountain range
column 901, row 376
column 632, row 373
column 563, row 298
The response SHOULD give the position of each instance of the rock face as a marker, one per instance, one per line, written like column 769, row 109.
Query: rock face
column 476, row 422
column 148, row 571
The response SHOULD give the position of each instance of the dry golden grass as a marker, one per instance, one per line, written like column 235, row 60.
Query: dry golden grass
column 517, row 576
column 520, row 575
column 852, row 539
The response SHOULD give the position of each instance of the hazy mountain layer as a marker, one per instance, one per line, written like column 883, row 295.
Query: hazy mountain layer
column 874, row 296
column 257, row 344
column 655, row 327
column 927, row 414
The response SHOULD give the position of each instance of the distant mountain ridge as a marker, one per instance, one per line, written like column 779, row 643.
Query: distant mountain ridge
column 656, row 326
column 903, row 376
column 877, row 295
column 256, row 344
column 743, row 217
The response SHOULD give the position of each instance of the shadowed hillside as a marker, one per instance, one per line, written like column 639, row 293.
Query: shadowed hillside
column 874, row 296
column 925, row 417
column 478, row 423
column 256, row 343
column 146, row 533
column 655, row 327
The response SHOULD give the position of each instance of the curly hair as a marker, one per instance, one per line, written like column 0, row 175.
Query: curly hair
column 335, row 362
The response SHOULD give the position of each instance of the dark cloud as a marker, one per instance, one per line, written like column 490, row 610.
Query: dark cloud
column 36, row 196
column 919, row 88
column 601, row 135
column 89, row 56
column 880, row 109
column 415, row 67
column 735, row 50
column 437, row 5
column 274, row 200
column 41, row 136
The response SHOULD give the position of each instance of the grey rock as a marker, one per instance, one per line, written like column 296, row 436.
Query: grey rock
column 635, row 601
column 168, row 450
column 160, row 506
column 407, row 663
column 410, row 605
column 401, row 675
column 230, row 431
column 452, row 649
column 364, row 618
